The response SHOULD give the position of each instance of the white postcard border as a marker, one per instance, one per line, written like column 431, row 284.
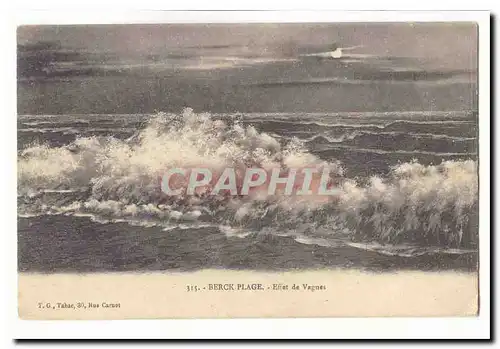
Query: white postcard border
column 356, row 328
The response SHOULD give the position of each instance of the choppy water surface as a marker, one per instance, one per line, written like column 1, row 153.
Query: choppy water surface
column 89, row 197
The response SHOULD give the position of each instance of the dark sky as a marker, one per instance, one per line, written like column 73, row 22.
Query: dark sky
column 247, row 68
column 451, row 45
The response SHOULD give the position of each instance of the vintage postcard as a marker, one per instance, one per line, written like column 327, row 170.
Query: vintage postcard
column 248, row 170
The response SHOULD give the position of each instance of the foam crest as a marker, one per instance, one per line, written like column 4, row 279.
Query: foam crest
column 430, row 205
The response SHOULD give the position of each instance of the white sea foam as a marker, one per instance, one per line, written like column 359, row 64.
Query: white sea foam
column 416, row 202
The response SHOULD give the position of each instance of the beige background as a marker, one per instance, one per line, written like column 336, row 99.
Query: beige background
column 165, row 295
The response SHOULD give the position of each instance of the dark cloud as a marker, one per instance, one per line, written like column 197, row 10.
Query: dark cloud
column 452, row 44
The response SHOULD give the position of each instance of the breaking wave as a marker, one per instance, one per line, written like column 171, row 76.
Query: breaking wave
column 118, row 180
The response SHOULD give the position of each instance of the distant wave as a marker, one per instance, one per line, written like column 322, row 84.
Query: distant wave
column 394, row 143
column 402, row 115
column 71, row 130
column 51, row 122
column 360, row 133
column 381, row 151
column 381, row 124
column 406, row 250
column 427, row 205
column 55, row 118
column 49, row 130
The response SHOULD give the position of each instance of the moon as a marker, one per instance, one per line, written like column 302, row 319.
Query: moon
column 337, row 53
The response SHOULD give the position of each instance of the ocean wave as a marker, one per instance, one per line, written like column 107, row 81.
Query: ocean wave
column 399, row 151
column 361, row 133
column 454, row 128
column 54, row 122
column 405, row 250
column 67, row 130
column 428, row 135
column 71, row 130
column 427, row 205
column 402, row 115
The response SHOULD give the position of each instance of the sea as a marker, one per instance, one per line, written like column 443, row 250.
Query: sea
column 91, row 150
